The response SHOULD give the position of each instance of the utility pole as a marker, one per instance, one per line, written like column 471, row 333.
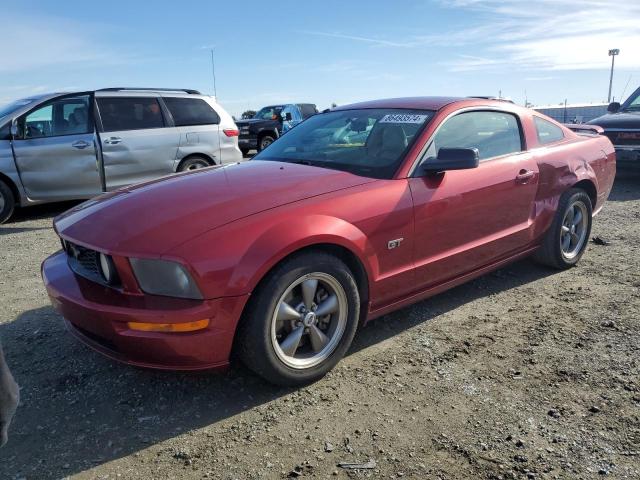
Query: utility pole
column 213, row 73
column 612, row 53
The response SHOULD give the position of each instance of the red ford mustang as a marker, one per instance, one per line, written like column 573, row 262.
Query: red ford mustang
column 352, row 214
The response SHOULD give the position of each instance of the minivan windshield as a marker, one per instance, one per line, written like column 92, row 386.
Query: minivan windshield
column 367, row 142
column 9, row 108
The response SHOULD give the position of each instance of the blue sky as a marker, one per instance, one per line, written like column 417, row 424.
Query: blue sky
column 325, row 51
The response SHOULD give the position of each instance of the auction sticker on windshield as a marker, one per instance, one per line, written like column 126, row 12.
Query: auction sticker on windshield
column 403, row 118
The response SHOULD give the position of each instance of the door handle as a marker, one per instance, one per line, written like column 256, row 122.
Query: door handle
column 80, row 144
column 524, row 175
column 112, row 140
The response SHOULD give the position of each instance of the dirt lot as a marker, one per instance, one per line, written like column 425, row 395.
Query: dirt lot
column 524, row 373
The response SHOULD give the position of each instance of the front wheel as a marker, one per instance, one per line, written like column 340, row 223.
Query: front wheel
column 265, row 142
column 7, row 202
column 568, row 236
column 301, row 320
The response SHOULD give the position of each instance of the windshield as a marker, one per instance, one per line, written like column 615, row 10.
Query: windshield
column 367, row 142
column 269, row 113
column 8, row 109
column 633, row 103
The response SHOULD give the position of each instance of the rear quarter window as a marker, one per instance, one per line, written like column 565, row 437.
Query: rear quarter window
column 547, row 132
column 191, row 111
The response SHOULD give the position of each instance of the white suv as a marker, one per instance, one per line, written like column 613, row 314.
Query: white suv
column 76, row 145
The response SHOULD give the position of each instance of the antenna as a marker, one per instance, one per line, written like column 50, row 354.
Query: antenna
column 213, row 73
column 625, row 87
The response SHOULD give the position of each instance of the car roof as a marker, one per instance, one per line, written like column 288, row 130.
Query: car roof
column 428, row 103
column 421, row 103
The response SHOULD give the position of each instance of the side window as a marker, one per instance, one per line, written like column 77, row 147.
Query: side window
column 191, row 111
column 547, row 131
column 493, row 133
column 130, row 113
column 5, row 131
column 66, row 116
column 307, row 110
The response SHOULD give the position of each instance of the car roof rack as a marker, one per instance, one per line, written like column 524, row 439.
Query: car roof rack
column 489, row 97
column 120, row 89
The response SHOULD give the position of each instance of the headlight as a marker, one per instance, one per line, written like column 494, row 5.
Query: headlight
column 162, row 277
column 108, row 269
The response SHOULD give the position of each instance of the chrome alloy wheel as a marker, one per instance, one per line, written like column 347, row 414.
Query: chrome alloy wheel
column 574, row 230
column 309, row 320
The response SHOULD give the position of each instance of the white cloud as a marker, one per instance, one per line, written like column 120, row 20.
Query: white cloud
column 530, row 34
column 44, row 42
column 557, row 34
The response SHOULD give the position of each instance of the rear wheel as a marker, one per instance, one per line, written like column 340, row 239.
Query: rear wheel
column 7, row 202
column 265, row 141
column 568, row 236
column 193, row 163
column 301, row 320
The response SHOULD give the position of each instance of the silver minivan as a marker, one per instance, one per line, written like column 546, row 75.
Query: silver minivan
column 77, row 145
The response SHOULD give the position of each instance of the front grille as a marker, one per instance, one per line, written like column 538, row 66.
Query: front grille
column 623, row 137
column 85, row 262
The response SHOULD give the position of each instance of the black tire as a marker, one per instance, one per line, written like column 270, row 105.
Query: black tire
column 265, row 141
column 245, row 151
column 551, row 252
column 253, row 342
column 7, row 202
column 193, row 163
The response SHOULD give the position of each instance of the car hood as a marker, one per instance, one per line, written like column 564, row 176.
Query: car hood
column 618, row 120
column 151, row 218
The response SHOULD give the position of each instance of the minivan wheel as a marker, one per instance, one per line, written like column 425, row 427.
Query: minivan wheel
column 301, row 319
column 568, row 236
column 265, row 142
column 7, row 202
column 193, row 163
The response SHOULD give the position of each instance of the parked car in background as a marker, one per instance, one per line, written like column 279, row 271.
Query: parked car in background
column 270, row 122
column 622, row 126
column 76, row 145
column 359, row 211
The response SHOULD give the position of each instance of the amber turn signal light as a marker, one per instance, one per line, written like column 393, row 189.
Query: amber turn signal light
column 169, row 327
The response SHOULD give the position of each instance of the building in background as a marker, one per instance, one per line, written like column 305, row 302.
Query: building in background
column 576, row 113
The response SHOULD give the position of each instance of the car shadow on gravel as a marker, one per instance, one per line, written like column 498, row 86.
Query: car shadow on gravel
column 79, row 409
column 626, row 184
column 38, row 212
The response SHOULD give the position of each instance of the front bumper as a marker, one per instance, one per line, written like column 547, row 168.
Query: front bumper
column 98, row 316
column 248, row 141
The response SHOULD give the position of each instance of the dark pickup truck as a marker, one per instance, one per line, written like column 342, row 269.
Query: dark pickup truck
column 269, row 123
column 622, row 126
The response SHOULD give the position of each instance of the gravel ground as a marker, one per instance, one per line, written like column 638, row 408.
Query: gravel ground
column 523, row 373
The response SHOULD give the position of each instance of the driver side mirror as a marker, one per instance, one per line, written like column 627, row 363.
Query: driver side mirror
column 613, row 107
column 15, row 129
column 288, row 117
column 451, row 159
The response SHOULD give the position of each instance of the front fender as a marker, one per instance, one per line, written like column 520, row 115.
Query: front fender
column 231, row 260
column 273, row 246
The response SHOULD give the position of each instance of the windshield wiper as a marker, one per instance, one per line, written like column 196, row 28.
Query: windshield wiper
column 298, row 161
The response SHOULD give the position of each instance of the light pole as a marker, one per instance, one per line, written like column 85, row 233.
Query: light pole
column 612, row 53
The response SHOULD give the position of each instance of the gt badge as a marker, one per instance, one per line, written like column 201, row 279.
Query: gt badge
column 394, row 243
